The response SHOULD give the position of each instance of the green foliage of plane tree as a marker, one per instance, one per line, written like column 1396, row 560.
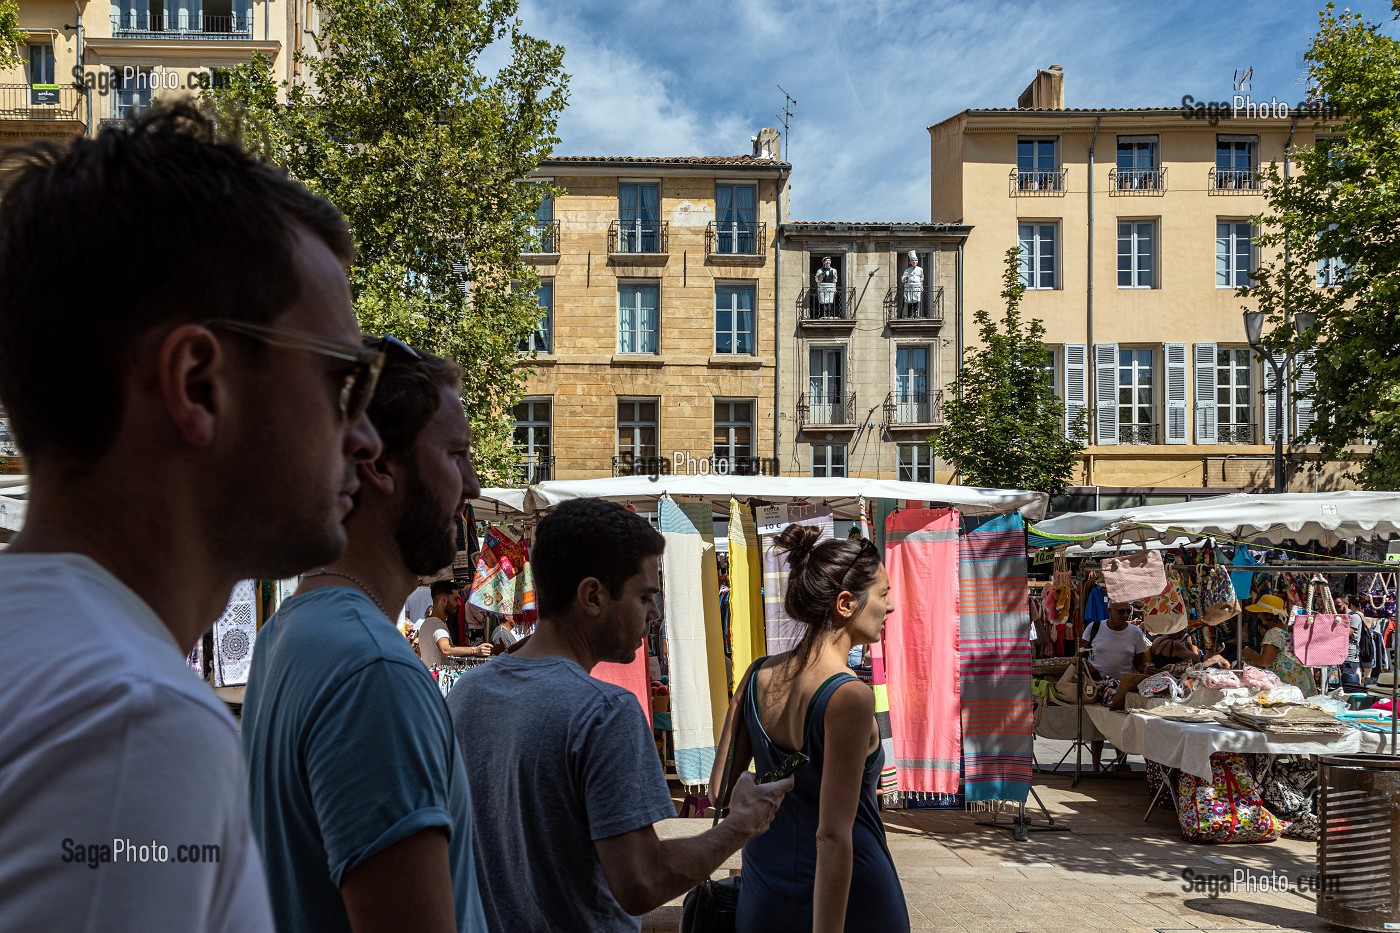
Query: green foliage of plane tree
column 11, row 35
column 1336, row 217
column 1005, row 426
column 406, row 124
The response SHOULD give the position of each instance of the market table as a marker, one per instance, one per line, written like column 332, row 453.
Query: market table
column 1188, row 745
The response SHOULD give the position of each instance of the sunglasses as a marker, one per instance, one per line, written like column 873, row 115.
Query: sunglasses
column 865, row 545
column 358, row 386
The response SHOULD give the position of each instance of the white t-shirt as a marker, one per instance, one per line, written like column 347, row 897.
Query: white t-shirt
column 122, row 748
column 1114, row 651
column 429, row 631
column 418, row 604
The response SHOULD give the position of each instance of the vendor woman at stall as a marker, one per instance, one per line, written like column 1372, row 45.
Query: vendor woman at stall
column 1177, row 646
column 1275, row 653
column 1115, row 647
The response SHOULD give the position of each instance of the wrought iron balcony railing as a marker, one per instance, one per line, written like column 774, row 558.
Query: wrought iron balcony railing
column 928, row 309
column 918, row 409
column 541, row 238
column 815, row 410
column 49, row 102
column 1145, row 433
column 184, row 25
column 1028, row 184
column 1235, row 434
column 747, row 238
column 1129, row 181
column 818, row 306
column 638, row 237
column 1234, row 181
column 535, row 470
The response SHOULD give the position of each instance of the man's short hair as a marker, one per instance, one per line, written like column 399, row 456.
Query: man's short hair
column 409, row 393
column 142, row 227
column 585, row 538
column 443, row 588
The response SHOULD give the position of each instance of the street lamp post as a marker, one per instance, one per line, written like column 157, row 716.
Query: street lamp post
column 1254, row 332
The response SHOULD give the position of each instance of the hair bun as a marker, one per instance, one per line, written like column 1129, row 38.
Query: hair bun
column 799, row 541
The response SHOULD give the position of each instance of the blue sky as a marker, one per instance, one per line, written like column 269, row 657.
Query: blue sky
column 679, row 77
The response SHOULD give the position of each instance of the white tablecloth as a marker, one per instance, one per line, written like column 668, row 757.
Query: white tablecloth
column 1188, row 746
column 1062, row 722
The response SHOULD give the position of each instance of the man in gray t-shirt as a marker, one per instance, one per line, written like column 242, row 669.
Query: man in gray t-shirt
column 565, row 780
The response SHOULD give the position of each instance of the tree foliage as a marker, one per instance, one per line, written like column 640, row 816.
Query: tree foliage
column 1005, row 426
column 1340, row 206
column 11, row 35
column 428, row 156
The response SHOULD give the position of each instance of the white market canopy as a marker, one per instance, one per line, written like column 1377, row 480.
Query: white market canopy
column 499, row 502
column 842, row 494
column 1323, row 517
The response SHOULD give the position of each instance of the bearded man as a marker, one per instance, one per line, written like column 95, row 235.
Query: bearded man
column 359, row 794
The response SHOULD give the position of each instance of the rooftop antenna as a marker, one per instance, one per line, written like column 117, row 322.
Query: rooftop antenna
column 1244, row 80
column 786, row 116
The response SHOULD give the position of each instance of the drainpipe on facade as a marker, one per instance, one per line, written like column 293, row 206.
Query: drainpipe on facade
column 778, row 317
column 267, row 5
column 86, row 91
column 1091, row 398
column 959, row 323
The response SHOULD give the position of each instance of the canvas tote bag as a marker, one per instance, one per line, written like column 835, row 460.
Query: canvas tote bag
column 1320, row 638
column 1127, row 577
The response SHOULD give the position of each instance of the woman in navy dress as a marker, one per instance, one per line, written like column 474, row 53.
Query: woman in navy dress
column 823, row 865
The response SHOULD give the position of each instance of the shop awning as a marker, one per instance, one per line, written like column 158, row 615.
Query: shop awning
column 841, row 494
column 500, row 502
column 1323, row 517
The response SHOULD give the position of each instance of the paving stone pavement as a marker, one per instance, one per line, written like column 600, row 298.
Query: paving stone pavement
column 1110, row 872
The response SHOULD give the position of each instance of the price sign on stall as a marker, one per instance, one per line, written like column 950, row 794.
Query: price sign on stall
column 771, row 519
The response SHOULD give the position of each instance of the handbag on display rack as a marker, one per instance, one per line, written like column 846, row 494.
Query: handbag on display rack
column 1320, row 639
column 1069, row 684
column 1127, row 577
column 1165, row 613
column 1216, row 601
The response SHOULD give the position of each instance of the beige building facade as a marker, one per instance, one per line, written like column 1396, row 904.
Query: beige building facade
column 1135, row 228
column 869, row 338
column 657, row 349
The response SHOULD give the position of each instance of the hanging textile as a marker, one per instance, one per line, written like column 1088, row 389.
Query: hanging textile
column 783, row 633
column 746, row 630
column 632, row 677
column 879, row 684
column 994, row 662
column 698, row 695
column 1242, row 580
column 503, row 583
column 921, row 649
column 234, row 634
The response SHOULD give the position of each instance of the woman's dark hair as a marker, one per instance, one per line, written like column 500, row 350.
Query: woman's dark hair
column 819, row 571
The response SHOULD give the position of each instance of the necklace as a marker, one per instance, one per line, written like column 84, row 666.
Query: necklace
column 355, row 580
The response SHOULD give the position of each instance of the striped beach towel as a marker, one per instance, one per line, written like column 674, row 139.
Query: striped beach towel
column 783, row 633
column 699, row 694
column 921, row 649
column 889, row 774
column 632, row 677
column 995, row 662
column 746, row 630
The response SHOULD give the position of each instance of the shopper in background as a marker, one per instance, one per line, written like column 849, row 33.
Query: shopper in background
column 434, row 634
column 1350, row 670
column 1275, row 653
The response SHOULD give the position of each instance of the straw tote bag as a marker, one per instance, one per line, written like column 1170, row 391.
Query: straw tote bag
column 1320, row 638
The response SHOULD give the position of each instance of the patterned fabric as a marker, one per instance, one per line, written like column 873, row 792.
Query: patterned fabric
column 746, row 631
column 1227, row 808
column 699, row 681
column 234, row 634
column 1289, row 787
column 1157, row 775
column 1286, row 664
column 921, row 649
column 503, row 582
column 995, row 661
column 889, row 775
column 783, row 633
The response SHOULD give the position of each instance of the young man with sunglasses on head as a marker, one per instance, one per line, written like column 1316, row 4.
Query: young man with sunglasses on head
column 185, row 425
column 359, row 792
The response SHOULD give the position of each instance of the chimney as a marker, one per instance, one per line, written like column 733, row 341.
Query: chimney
column 1046, row 92
column 767, row 144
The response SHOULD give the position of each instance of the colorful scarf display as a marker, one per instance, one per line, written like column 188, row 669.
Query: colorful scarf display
column 503, row 583
column 746, row 629
column 698, row 679
column 783, row 632
column 889, row 774
column 921, row 649
column 994, row 656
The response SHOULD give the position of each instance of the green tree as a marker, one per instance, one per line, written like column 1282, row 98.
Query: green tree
column 403, row 127
column 1329, row 238
column 1005, row 426
column 11, row 35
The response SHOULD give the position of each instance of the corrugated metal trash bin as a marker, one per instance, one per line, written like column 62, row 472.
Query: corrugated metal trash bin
column 1358, row 846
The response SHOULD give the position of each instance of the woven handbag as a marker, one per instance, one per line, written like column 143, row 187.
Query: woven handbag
column 1320, row 639
column 1216, row 601
column 1128, row 577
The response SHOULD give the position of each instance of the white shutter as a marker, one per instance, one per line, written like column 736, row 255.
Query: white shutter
column 1106, row 393
column 1207, row 430
column 1076, row 390
column 1304, row 384
column 1270, row 422
column 1175, row 356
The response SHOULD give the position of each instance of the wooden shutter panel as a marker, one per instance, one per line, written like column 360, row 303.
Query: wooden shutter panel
column 1106, row 393
column 1175, row 356
column 1076, row 390
column 1207, row 429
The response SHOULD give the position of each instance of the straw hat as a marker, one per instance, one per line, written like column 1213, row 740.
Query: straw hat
column 1270, row 603
column 1165, row 623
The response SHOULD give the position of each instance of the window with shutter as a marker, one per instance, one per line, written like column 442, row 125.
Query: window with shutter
column 1106, row 393
column 1203, row 359
column 1076, row 383
column 1175, row 356
column 1304, row 384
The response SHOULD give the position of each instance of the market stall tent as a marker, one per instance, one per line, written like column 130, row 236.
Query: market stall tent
column 1323, row 517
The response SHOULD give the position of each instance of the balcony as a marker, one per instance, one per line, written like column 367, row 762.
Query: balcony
column 736, row 240
column 43, row 103
column 1038, row 184
column 918, row 410
column 824, row 411
column 629, row 464
column 541, row 239
column 1136, row 181
column 1145, row 433
column 1235, row 181
column 838, row 312
column 534, row 470
column 927, row 310
column 638, row 238
column 133, row 25
column 1235, row 434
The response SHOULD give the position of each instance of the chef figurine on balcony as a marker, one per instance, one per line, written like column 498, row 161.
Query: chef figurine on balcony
column 826, row 288
column 913, row 281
